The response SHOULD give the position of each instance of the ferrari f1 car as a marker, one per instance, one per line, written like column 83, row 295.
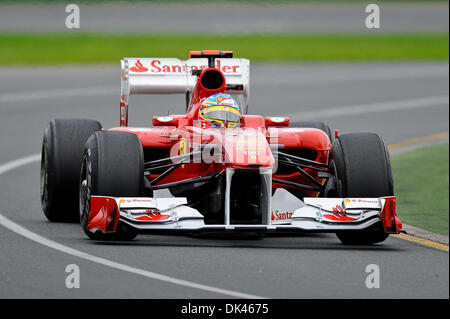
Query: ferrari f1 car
column 215, row 168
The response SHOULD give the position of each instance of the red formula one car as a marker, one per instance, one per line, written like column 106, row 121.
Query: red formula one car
column 224, row 170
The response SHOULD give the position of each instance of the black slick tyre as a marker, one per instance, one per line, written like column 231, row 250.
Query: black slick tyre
column 61, row 155
column 112, row 166
column 361, row 166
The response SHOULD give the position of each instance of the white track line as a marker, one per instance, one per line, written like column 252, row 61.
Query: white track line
column 388, row 106
column 106, row 262
column 19, row 162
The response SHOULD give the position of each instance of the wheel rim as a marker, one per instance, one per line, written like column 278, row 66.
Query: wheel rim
column 84, row 193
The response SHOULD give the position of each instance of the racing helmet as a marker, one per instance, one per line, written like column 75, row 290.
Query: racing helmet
column 220, row 110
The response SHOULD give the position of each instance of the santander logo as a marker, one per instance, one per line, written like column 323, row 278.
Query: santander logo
column 277, row 215
column 157, row 66
column 138, row 67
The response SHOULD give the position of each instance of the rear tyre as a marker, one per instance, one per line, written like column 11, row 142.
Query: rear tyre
column 315, row 124
column 113, row 165
column 361, row 166
column 62, row 151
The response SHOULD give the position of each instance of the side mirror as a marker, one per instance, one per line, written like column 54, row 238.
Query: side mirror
column 277, row 121
column 165, row 121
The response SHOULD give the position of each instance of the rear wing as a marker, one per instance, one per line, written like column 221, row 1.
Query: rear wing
column 174, row 76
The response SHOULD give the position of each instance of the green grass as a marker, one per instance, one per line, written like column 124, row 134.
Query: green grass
column 421, row 183
column 80, row 48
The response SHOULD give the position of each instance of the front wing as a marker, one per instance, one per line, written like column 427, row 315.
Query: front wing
column 149, row 215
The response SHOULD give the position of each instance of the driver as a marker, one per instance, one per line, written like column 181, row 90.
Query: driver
column 220, row 110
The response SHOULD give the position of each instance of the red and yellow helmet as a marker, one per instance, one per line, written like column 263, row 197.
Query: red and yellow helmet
column 220, row 110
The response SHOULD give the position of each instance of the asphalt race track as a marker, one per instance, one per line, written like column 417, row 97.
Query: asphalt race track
column 399, row 101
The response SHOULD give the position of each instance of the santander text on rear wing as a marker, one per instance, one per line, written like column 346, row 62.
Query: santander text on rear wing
column 174, row 76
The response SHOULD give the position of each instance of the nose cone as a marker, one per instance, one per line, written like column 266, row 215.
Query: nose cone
column 247, row 148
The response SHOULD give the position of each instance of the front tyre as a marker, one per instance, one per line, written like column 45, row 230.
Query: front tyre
column 361, row 166
column 113, row 165
column 62, row 151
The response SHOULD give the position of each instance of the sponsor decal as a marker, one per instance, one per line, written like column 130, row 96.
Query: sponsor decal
column 156, row 66
column 359, row 200
column 152, row 215
column 338, row 215
column 281, row 216
column 183, row 148
column 135, row 200
column 138, row 67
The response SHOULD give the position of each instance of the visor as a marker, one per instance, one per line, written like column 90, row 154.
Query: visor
column 221, row 113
